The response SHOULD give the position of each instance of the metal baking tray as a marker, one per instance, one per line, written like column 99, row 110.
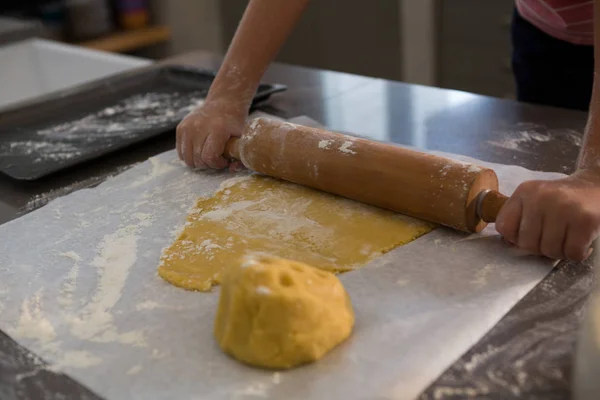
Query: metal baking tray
column 79, row 124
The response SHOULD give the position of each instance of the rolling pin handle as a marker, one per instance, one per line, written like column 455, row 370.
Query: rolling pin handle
column 232, row 149
column 489, row 204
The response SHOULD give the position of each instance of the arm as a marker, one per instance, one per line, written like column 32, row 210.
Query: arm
column 203, row 134
column 589, row 156
column 560, row 219
column 265, row 26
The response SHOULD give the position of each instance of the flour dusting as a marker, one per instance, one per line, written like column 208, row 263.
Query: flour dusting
column 480, row 278
column 76, row 359
column 263, row 290
column 147, row 305
column 402, row 282
column 276, row 378
column 324, row 144
column 126, row 119
column 158, row 168
column 116, row 255
column 521, row 140
column 70, row 284
column 345, row 147
column 134, row 370
column 32, row 324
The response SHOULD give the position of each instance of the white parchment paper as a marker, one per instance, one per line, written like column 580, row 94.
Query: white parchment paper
column 78, row 286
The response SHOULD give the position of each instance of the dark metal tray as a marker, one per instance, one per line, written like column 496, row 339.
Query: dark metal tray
column 85, row 122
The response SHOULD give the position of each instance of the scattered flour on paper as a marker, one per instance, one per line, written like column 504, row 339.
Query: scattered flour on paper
column 147, row 305
column 70, row 284
column 276, row 378
column 158, row 355
column 116, row 255
column 33, row 325
column 145, row 219
column 2, row 293
column 480, row 278
column 134, row 370
column 257, row 389
column 402, row 282
column 76, row 359
column 158, row 168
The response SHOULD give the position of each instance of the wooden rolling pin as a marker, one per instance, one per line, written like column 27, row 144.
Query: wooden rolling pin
column 447, row 192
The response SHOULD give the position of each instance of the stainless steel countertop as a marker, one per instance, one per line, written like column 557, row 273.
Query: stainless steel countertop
column 529, row 353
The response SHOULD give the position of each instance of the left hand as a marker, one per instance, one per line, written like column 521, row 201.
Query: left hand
column 558, row 219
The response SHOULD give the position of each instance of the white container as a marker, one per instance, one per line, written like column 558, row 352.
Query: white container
column 36, row 67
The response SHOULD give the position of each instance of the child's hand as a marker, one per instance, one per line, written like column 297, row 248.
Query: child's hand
column 203, row 134
column 558, row 219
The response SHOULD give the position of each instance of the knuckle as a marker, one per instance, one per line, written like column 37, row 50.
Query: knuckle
column 530, row 245
column 528, row 187
column 550, row 251
column 574, row 252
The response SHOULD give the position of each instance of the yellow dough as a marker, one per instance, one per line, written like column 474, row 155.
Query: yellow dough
column 271, row 216
column 277, row 313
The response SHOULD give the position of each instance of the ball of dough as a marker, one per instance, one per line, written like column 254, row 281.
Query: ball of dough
column 277, row 313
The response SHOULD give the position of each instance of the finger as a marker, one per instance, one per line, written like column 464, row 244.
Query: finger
column 553, row 236
column 577, row 242
column 530, row 229
column 187, row 147
column 212, row 152
column 197, row 148
column 509, row 220
column 236, row 166
column 179, row 141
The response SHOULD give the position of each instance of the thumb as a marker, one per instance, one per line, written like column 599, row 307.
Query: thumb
column 509, row 219
column 212, row 152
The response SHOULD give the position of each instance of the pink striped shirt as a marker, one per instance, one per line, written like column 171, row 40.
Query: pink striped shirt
column 568, row 20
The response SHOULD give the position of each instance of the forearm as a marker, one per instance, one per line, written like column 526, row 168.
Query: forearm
column 264, row 28
column 589, row 156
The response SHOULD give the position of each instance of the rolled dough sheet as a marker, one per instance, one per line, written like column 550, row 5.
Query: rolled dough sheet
column 257, row 214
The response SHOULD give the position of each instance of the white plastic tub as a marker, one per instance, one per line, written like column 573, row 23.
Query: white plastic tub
column 36, row 67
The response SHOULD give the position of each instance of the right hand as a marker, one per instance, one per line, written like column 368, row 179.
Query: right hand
column 203, row 133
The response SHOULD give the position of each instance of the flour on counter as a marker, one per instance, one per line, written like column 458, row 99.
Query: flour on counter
column 519, row 139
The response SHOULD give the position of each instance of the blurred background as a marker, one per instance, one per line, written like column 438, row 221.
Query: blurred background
column 432, row 42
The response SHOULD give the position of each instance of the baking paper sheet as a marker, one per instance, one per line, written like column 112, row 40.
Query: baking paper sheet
column 78, row 286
